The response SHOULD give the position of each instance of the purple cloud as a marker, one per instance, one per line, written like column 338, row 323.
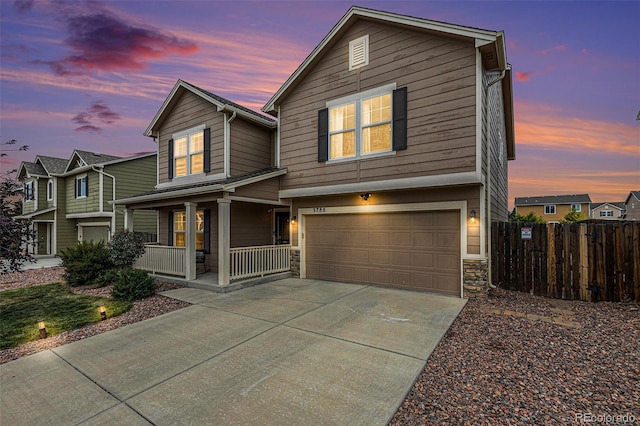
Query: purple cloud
column 23, row 6
column 97, row 111
column 103, row 42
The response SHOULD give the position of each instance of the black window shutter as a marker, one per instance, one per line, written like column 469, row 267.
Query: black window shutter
column 207, row 231
column 400, row 119
column 170, row 228
column 86, row 185
column 170, row 168
column 323, row 135
column 75, row 190
column 207, row 150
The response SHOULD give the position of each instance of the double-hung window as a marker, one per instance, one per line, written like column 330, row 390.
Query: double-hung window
column 29, row 194
column 189, row 152
column 606, row 213
column 82, row 186
column 180, row 229
column 576, row 207
column 50, row 190
column 550, row 209
column 365, row 124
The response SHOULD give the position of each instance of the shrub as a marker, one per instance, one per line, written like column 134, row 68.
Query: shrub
column 133, row 284
column 86, row 263
column 126, row 247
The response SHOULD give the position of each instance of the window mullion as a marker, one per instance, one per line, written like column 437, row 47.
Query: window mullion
column 358, row 128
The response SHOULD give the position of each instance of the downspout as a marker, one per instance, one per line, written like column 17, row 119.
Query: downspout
column 113, row 206
column 278, row 141
column 488, row 183
column 227, row 143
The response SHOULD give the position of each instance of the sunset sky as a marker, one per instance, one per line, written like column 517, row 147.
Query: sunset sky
column 91, row 75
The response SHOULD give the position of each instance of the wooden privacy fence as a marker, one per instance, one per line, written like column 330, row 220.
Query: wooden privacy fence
column 580, row 261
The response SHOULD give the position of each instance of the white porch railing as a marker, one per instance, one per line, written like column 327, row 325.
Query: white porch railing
column 259, row 260
column 163, row 260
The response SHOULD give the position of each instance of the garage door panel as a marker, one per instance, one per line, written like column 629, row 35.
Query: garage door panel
column 413, row 250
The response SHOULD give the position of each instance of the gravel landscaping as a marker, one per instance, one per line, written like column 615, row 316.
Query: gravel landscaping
column 509, row 359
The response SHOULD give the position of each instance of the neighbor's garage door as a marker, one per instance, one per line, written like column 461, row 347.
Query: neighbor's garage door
column 412, row 250
column 95, row 233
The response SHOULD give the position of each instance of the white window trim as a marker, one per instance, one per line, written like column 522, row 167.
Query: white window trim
column 606, row 213
column 357, row 99
column 185, row 231
column 32, row 198
column 75, row 187
column 576, row 207
column 550, row 206
column 50, row 190
column 181, row 134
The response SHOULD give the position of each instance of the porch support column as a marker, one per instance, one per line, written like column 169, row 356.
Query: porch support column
column 190, row 241
column 224, row 237
column 128, row 220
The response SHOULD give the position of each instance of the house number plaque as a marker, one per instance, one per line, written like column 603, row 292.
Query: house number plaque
column 319, row 209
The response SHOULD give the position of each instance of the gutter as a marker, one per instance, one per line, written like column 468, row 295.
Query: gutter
column 113, row 216
column 227, row 143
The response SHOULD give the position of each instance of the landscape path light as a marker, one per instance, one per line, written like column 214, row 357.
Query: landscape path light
column 42, row 329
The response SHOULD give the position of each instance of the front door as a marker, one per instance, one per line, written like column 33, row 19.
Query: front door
column 282, row 227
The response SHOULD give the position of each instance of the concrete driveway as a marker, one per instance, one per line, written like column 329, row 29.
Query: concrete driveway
column 287, row 352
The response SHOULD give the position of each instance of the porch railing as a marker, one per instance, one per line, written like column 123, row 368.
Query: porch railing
column 163, row 260
column 258, row 261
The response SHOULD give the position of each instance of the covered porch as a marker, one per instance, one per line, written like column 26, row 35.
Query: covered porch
column 219, row 236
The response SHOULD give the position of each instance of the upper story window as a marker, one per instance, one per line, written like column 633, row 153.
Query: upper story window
column 29, row 193
column 82, row 186
column 50, row 190
column 189, row 151
column 365, row 124
column 576, row 207
column 550, row 209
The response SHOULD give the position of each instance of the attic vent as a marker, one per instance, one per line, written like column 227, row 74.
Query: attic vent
column 359, row 52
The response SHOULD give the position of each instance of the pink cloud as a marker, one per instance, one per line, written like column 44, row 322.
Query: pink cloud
column 523, row 76
column 88, row 129
column 558, row 48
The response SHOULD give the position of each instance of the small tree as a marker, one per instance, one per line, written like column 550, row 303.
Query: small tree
column 126, row 247
column 16, row 235
column 573, row 217
column 528, row 218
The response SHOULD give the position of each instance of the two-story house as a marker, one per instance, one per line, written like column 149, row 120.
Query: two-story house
column 70, row 200
column 632, row 206
column 553, row 208
column 386, row 161
column 607, row 211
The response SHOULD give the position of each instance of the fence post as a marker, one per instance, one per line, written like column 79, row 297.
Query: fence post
column 584, row 264
column 551, row 260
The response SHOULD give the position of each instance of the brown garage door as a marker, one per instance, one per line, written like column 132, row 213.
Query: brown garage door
column 412, row 250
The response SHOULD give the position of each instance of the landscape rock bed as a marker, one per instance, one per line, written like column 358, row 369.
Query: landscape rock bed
column 504, row 369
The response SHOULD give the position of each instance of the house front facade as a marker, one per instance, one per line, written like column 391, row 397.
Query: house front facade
column 553, row 208
column 69, row 200
column 385, row 161
column 607, row 211
column 632, row 206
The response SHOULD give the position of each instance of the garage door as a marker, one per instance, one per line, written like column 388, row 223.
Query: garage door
column 411, row 250
column 95, row 233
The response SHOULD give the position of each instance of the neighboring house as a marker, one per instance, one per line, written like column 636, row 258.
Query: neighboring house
column 69, row 199
column 607, row 211
column 553, row 208
column 632, row 206
column 386, row 165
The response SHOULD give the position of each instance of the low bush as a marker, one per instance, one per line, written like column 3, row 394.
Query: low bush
column 126, row 247
column 133, row 284
column 86, row 263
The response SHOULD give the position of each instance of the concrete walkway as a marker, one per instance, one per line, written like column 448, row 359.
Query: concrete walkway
column 287, row 352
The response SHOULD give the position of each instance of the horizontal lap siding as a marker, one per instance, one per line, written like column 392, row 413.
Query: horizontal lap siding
column 250, row 147
column 440, row 76
column 265, row 190
column 191, row 111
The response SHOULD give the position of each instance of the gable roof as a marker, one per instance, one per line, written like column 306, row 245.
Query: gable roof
column 30, row 169
column 220, row 103
column 52, row 165
column 553, row 199
column 635, row 194
column 615, row 204
column 491, row 45
column 86, row 158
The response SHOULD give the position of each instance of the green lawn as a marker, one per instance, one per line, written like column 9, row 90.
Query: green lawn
column 61, row 310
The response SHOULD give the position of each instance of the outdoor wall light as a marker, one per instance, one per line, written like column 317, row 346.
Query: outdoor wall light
column 75, row 228
column 472, row 216
column 103, row 311
column 293, row 219
column 42, row 329
column 365, row 196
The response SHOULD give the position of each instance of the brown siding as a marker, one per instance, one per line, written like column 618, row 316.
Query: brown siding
column 265, row 190
column 191, row 111
column 439, row 74
column 250, row 225
column 470, row 194
column 250, row 147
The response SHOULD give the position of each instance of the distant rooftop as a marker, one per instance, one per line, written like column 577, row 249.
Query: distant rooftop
column 553, row 199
